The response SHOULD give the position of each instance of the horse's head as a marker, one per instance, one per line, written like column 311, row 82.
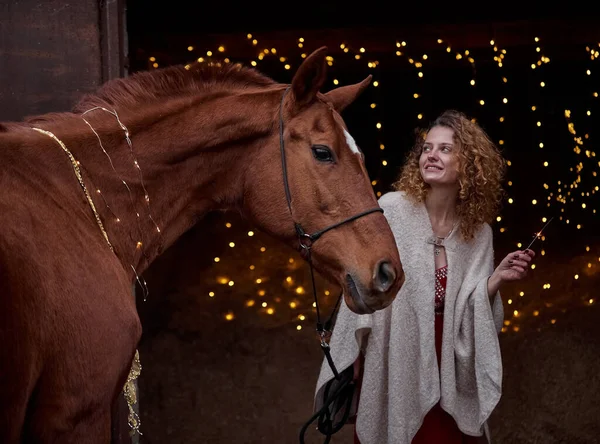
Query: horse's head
column 328, row 184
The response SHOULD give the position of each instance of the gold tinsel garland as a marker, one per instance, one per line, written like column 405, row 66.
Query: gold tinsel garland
column 130, row 393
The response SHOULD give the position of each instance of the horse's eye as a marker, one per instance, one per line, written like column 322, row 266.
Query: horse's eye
column 322, row 153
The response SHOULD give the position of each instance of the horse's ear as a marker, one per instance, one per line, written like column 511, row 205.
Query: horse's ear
column 309, row 78
column 343, row 96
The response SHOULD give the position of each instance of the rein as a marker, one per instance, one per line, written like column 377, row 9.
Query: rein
column 342, row 395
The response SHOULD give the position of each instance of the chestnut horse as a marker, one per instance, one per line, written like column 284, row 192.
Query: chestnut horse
column 91, row 197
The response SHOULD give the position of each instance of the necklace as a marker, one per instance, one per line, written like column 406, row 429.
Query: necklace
column 438, row 242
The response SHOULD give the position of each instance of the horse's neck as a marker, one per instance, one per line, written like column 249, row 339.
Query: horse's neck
column 189, row 164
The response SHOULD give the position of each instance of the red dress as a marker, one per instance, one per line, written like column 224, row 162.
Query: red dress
column 438, row 426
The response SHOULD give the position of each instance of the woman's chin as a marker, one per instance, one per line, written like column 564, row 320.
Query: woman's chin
column 439, row 182
column 432, row 181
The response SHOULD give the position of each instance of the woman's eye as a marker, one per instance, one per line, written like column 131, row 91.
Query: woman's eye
column 322, row 153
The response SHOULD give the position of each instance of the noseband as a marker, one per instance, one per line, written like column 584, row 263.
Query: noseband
column 306, row 241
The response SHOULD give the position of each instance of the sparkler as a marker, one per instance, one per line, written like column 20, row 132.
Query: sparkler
column 538, row 234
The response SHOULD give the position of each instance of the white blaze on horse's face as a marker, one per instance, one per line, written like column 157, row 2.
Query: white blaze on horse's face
column 352, row 143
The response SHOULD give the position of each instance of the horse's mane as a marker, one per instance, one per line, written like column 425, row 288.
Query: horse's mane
column 175, row 81
column 148, row 87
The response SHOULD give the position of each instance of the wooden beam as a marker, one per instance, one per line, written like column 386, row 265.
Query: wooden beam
column 113, row 38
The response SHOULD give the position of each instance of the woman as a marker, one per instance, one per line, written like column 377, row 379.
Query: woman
column 428, row 368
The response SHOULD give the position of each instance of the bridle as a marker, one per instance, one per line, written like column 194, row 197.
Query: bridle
column 306, row 241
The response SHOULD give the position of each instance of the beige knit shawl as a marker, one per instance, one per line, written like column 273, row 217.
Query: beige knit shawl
column 401, row 378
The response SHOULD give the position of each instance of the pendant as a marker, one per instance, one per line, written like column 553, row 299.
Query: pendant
column 437, row 241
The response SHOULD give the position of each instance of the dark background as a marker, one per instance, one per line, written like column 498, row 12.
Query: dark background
column 223, row 369
column 251, row 379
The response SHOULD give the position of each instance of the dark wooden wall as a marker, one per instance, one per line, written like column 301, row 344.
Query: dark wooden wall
column 53, row 51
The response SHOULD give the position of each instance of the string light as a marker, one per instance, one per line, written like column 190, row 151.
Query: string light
column 499, row 56
column 581, row 186
column 129, row 388
column 535, row 108
column 554, row 192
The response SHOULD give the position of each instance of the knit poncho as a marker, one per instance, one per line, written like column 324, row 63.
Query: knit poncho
column 402, row 381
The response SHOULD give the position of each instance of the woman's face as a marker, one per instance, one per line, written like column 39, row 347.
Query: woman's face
column 439, row 160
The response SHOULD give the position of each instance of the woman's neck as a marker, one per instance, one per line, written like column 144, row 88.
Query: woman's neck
column 441, row 208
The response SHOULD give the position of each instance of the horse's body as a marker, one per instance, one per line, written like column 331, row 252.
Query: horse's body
column 58, row 281
column 205, row 139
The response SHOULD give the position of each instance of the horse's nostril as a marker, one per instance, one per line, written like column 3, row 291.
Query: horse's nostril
column 384, row 276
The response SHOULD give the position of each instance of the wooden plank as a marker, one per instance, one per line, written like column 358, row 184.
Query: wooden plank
column 49, row 55
column 113, row 39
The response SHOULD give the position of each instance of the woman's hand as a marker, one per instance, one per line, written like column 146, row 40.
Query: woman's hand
column 512, row 268
column 515, row 265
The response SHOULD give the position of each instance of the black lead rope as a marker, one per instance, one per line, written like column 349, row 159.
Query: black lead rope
column 342, row 394
column 336, row 398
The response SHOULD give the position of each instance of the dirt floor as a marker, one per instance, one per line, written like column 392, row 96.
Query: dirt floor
column 209, row 380
column 251, row 385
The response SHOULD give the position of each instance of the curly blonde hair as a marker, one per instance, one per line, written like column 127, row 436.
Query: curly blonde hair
column 481, row 172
